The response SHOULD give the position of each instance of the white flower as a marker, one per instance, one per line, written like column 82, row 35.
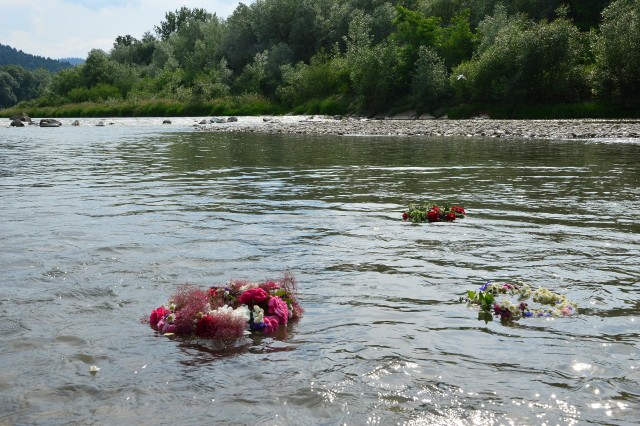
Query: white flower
column 242, row 312
column 226, row 309
column 258, row 314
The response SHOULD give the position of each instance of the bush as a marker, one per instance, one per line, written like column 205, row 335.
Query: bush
column 324, row 77
column 527, row 63
column 99, row 92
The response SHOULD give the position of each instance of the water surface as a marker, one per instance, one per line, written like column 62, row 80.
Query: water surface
column 99, row 226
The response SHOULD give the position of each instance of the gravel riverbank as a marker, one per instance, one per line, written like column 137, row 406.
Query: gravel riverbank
column 479, row 127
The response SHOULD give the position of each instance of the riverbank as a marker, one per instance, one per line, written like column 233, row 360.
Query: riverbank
column 389, row 126
column 478, row 127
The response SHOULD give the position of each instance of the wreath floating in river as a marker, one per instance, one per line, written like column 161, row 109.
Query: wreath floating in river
column 550, row 304
column 433, row 213
column 229, row 312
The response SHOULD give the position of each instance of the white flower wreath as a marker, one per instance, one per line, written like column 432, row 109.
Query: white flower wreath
column 558, row 305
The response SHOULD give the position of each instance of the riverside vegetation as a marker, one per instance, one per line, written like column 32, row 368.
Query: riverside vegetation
column 519, row 59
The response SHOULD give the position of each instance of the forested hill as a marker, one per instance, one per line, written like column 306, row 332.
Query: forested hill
column 12, row 56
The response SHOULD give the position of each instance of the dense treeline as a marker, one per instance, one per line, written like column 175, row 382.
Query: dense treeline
column 335, row 56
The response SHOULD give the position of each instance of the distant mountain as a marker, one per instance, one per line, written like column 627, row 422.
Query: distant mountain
column 72, row 61
column 11, row 56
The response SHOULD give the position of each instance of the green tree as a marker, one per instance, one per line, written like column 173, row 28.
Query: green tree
column 617, row 51
column 239, row 44
column 254, row 75
column 430, row 81
column 527, row 62
column 8, row 86
column 20, row 84
column 373, row 68
column 180, row 19
column 455, row 42
column 131, row 51
column 96, row 68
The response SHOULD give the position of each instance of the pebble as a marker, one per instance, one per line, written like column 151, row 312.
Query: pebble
column 504, row 129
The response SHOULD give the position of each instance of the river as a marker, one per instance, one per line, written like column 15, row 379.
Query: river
column 99, row 225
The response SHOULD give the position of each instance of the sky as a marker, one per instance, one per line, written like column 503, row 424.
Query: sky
column 71, row 28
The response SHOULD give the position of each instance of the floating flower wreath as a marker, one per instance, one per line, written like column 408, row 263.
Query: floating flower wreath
column 433, row 213
column 229, row 312
column 485, row 297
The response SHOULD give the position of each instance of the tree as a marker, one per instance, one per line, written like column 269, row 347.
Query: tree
column 8, row 85
column 131, row 51
column 431, row 79
column 617, row 51
column 239, row 44
column 374, row 69
column 96, row 68
column 525, row 62
column 180, row 19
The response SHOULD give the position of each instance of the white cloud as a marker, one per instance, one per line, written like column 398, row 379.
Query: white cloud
column 71, row 28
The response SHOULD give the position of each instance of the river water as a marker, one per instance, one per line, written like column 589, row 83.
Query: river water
column 100, row 224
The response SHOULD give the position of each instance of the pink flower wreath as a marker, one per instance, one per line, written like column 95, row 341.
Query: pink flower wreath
column 230, row 311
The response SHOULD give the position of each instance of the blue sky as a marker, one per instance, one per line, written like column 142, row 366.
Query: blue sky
column 71, row 28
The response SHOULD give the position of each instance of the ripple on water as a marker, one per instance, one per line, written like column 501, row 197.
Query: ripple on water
column 99, row 228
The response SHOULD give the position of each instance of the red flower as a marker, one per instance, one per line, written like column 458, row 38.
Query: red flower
column 458, row 210
column 157, row 315
column 450, row 217
column 206, row 326
column 405, row 216
column 433, row 215
column 253, row 296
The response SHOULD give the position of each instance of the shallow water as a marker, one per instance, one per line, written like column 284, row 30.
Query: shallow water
column 99, row 226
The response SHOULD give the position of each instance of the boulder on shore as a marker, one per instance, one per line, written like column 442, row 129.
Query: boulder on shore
column 50, row 122
column 22, row 117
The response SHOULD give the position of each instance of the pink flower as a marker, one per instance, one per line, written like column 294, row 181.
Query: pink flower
column 271, row 324
column 169, row 328
column 278, row 307
column 567, row 311
column 253, row 296
column 157, row 315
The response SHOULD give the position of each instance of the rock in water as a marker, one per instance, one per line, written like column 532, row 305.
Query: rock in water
column 50, row 122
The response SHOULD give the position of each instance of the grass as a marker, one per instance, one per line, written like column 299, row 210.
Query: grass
column 236, row 105
column 252, row 105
